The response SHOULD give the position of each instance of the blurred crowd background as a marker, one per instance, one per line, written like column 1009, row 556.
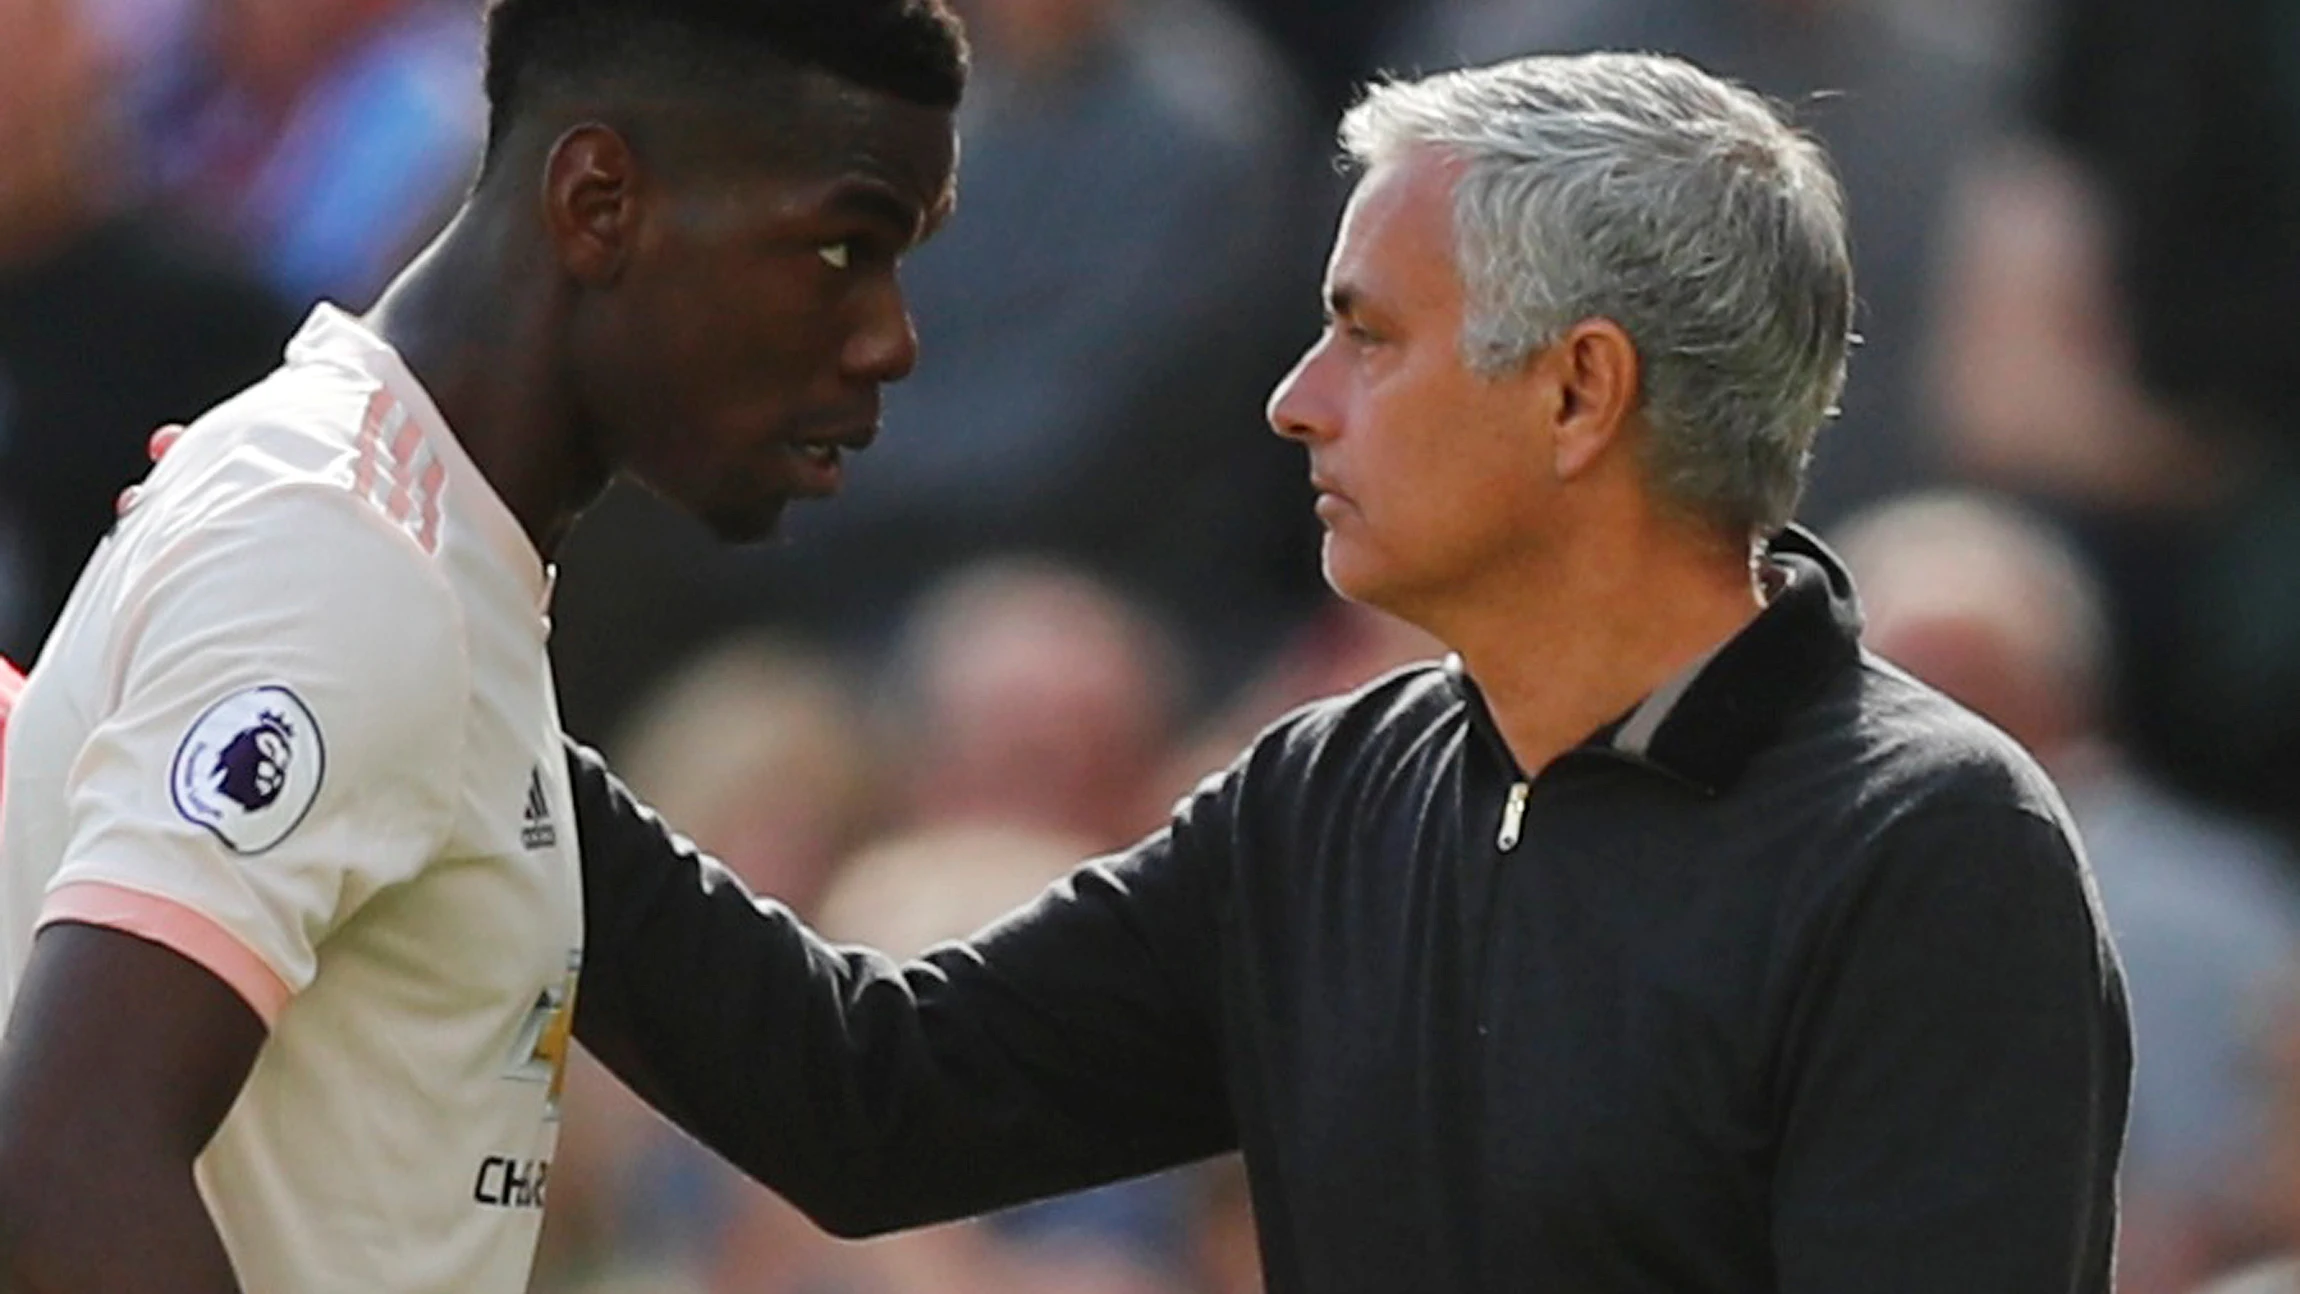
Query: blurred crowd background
column 1077, row 572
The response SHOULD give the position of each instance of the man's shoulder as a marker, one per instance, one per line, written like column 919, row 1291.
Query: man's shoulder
column 240, row 549
column 1388, row 712
column 1884, row 756
column 1334, row 750
column 309, row 457
column 1887, row 786
column 1941, row 749
column 340, row 411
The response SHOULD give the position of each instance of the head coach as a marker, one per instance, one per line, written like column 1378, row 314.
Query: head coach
column 1657, row 940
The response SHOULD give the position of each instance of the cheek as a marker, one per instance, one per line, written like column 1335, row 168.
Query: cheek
column 1409, row 454
column 729, row 336
column 1449, row 482
column 767, row 359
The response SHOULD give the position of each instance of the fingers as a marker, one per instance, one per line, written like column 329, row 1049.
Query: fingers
column 155, row 448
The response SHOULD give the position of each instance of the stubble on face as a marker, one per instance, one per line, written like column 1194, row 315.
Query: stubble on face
column 1425, row 466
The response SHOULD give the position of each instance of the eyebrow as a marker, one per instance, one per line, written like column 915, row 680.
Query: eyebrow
column 1343, row 300
column 874, row 201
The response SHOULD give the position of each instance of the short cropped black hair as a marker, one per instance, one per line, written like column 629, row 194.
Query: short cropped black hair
column 912, row 49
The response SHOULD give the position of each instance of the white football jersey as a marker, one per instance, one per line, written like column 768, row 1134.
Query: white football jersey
column 11, row 683
column 297, row 724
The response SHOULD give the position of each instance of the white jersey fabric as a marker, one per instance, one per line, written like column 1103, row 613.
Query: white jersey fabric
column 11, row 683
column 297, row 724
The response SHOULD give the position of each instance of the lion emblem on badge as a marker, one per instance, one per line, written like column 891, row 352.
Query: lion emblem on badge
column 250, row 767
column 254, row 765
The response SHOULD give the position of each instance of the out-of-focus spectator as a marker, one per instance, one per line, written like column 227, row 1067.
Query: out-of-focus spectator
column 2113, row 347
column 2189, row 117
column 2280, row 1153
column 758, row 749
column 1048, row 710
column 109, row 323
column 154, row 43
column 334, row 136
column 1339, row 647
column 2277, row 1277
column 2000, row 32
column 1028, row 692
column 902, row 895
column 1129, row 272
column 1227, row 1258
column 907, row 892
column 2031, row 362
column 1334, row 43
column 1994, row 608
column 2185, row 120
column 1896, row 104
column 1131, row 265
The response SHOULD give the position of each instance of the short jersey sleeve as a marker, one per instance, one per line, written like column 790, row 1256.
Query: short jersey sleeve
column 282, row 740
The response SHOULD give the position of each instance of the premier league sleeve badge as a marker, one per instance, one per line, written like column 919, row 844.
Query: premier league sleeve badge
column 250, row 768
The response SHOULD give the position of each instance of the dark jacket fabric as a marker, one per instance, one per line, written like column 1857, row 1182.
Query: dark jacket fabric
column 1792, row 979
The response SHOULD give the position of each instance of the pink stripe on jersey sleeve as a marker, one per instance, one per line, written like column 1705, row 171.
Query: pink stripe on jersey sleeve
column 171, row 925
column 379, row 408
column 434, row 485
column 400, row 505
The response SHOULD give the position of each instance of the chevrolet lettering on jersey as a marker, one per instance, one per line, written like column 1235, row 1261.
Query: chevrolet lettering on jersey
column 505, row 1183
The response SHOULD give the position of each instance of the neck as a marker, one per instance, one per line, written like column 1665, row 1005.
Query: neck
column 469, row 321
column 1564, row 650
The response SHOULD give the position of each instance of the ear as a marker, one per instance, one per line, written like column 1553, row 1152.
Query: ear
column 591, row 188
column 1596, row 372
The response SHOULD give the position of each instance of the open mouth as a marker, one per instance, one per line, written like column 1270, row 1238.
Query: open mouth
column 819, row 461
column 819, row 453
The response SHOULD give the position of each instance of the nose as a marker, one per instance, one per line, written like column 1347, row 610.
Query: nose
column 884, row 347
column 1302, row 406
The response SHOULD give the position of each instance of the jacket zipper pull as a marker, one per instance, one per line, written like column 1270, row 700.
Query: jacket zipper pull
column 1513, row 816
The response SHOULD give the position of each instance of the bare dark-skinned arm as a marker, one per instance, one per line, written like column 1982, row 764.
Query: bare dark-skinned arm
column 119, row 1062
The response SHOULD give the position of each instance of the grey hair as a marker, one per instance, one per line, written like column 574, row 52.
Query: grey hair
column 1683, row 208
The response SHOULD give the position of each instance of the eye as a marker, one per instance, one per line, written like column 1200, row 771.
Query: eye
column 1352, row 330
column 837, row 255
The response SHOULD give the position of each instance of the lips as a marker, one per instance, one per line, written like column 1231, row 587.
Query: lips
column 817, row 455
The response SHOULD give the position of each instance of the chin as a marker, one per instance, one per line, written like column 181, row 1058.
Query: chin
column 1367, row 579
column 1349, row 574
column 743, row 523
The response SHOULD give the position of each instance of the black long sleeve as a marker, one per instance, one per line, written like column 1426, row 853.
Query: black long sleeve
column 1070, row 1045
column 1808, row 993
column 1957, row 1072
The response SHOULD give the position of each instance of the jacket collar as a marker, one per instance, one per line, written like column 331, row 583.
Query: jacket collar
column 1704, row 726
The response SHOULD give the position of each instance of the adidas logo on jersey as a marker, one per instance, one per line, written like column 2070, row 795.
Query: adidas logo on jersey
column 536, row 831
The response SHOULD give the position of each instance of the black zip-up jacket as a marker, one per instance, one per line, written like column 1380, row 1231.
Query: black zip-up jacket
column 1791, row 980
